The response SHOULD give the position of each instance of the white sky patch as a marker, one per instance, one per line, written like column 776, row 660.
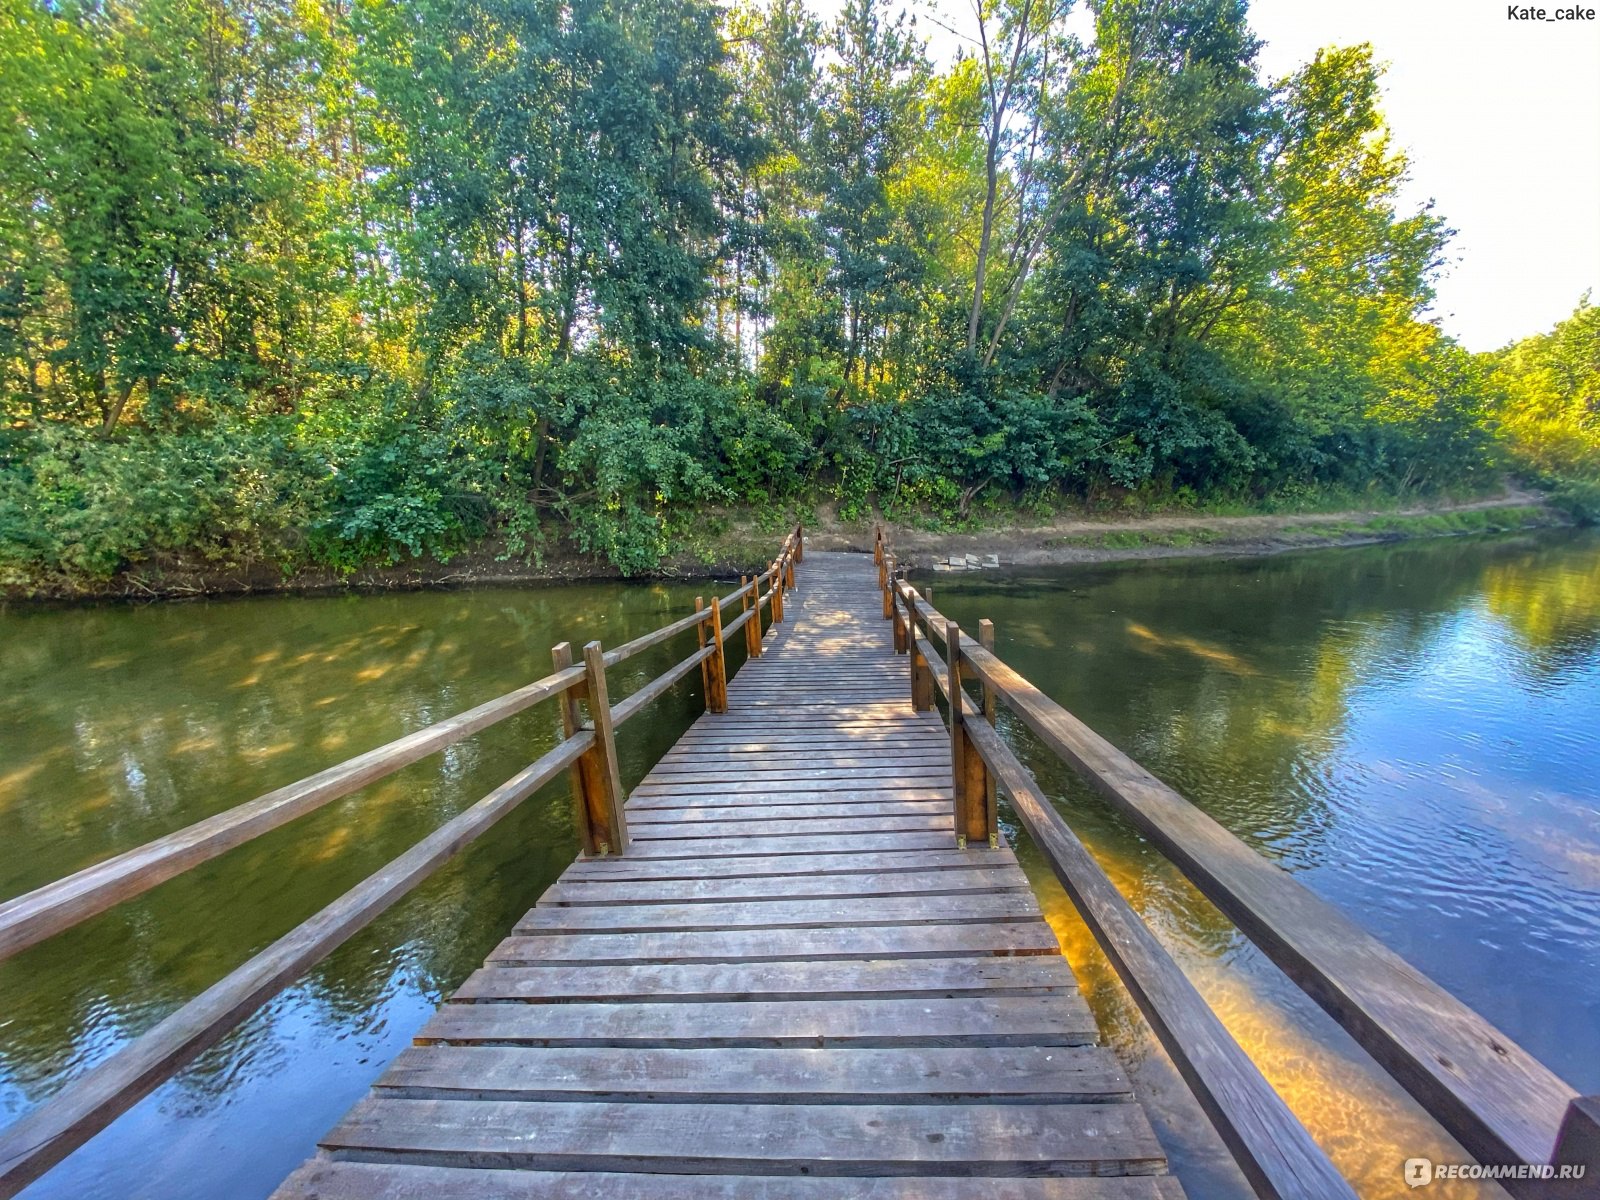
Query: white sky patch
column 1499, row 118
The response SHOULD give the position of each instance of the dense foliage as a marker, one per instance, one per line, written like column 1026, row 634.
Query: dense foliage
column 348, row 281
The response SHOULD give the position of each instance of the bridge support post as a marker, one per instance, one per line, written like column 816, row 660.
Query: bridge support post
column 596, row 785
column 752, row 627
column 974, row 824
column 700, row 641
column 986, row 640
column 1578, row 1139
column 921, row 673
column 899, row 631
column 714, row 671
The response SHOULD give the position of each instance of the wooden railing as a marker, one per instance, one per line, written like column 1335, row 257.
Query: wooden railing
column 1496, row 1099
column 89, row 1103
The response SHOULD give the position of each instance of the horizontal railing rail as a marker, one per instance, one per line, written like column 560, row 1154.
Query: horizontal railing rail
column 1496, row 1099
column 39, row 1140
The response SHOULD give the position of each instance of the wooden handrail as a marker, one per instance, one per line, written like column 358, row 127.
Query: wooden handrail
column 665, row 634
column 658, row 686
column 1273, row 1149
column 39, row 914
column 1499, row 1101
column 91, row 1102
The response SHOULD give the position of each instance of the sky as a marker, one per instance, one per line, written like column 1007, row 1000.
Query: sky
column 1499, row 118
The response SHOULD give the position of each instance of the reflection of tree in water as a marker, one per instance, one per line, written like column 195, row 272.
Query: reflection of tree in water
column 1549, row 597
column 1231, row 679
column 129, row 725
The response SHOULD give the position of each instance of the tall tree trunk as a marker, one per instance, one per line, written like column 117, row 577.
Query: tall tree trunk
column 114, row 412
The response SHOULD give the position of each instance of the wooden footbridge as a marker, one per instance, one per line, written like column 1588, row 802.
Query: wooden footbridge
column 799, row 959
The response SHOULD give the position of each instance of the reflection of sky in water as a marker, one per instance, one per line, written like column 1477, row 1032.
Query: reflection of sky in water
column 290, row 1067
column 1415, row 730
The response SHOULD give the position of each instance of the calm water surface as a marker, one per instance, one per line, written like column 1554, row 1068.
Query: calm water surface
column 1413, row 730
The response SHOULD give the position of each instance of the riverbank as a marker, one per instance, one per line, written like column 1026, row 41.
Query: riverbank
column 730, row 543
column 1106, row 540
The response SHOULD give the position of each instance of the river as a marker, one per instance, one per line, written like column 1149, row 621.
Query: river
column 1411, row 729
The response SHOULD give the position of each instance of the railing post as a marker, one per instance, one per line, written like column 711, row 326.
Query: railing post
column 775, row 590
column 717, row 664
column 609, row 801
column 986, row 640
column 899, row 617
column 1578, row 1139
column 705, row 663
column 752, row 627
column 967, row 770
column 596, row 787
column 799, row 544
column 877, row 544
column 921, row 673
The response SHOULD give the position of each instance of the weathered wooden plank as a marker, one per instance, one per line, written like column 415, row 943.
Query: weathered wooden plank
column 741, row 756
column 570, row 891
column 840, row 860
column 677, row 982
column 771, row 828
column 860, row 812
column 325, row 1178
column 844, row 800
column 822, row 1139
column 885, row 761
column 1054, row 1020
column 819, row 913
column 719, row 766
column 707, row 848
column 768, row 776
column 923, row 1075
column 860, row 785
column 901, row 941
column 870, row 735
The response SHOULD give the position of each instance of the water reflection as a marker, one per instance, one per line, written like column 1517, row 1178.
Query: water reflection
column 1410, row 728
column 120, row 724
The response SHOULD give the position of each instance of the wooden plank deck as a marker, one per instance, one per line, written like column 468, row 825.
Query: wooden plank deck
column 793, row 985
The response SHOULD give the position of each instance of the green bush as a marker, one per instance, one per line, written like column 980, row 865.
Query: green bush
column 1579, row 499
column 76, row 506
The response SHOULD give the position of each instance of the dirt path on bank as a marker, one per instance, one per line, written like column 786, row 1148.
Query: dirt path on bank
column 1105, row 539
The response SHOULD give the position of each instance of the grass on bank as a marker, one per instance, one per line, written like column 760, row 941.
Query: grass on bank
column 1482, row 520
